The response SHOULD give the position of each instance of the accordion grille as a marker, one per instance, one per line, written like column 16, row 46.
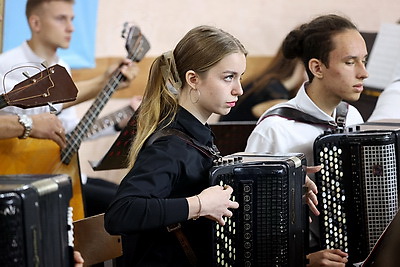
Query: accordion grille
column 358, row 194
column 379, row 166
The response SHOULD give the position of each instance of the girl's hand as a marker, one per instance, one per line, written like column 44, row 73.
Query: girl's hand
column 215, row 203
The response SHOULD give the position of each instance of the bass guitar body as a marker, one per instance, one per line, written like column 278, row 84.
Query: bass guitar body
column 40, row 156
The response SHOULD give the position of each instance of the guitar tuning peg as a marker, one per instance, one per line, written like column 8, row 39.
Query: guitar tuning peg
column 123, row 34
column 26, row 74
column 53, row 110
column 44, row 64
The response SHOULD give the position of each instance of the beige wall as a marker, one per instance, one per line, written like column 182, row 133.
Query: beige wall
column 259, row 24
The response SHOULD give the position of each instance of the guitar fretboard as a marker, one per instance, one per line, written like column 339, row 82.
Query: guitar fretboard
column 137, row 46
column 110, row 120
column 75, row 138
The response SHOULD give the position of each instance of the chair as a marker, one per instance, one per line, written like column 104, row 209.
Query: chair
column 94, row 243
column 231, row 136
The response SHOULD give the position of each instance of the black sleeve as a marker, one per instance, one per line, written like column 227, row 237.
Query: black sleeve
column 144, row 200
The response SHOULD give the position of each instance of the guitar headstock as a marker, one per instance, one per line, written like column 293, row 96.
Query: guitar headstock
column 136, row 43
column 52, row 85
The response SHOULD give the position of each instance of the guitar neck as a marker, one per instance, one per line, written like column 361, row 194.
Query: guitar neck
column 137, row 46
column 110, row 120
column 75, row 138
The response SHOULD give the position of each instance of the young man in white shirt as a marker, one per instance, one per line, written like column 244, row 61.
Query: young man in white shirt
column 334, row 55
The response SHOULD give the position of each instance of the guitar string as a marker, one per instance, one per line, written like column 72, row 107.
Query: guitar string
column 94, row 110
column 76, row 136
column 109, row 120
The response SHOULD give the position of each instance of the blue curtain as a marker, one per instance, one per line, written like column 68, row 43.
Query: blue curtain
column 80, row 54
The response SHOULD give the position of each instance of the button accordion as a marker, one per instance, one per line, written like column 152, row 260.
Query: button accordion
column 36, row 221
column 270, row 227
column 357, row 186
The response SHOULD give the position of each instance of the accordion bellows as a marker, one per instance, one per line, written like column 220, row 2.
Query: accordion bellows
column 270, row 228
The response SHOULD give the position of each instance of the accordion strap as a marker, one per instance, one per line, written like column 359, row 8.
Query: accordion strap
column 211, row 152
column 176, row 229
column 297, row 115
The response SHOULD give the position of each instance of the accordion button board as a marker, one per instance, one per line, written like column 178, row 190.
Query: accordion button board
column 270, row 227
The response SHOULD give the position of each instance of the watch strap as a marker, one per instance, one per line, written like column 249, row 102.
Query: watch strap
column 25, row 121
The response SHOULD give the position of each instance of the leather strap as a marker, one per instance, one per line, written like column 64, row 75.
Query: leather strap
column 211, row 152
column 177, row 230
column 297, row 115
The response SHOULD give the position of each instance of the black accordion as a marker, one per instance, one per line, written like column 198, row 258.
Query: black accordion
column 270, row 227
column 357, row 186
column 36, row 221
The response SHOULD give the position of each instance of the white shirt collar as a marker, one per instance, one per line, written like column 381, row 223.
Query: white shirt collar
column 33, row 57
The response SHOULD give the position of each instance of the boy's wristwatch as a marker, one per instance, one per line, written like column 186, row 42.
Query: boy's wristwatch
column 25, row 121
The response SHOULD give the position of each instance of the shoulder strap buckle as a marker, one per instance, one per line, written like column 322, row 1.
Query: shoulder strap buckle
column 174, row 227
